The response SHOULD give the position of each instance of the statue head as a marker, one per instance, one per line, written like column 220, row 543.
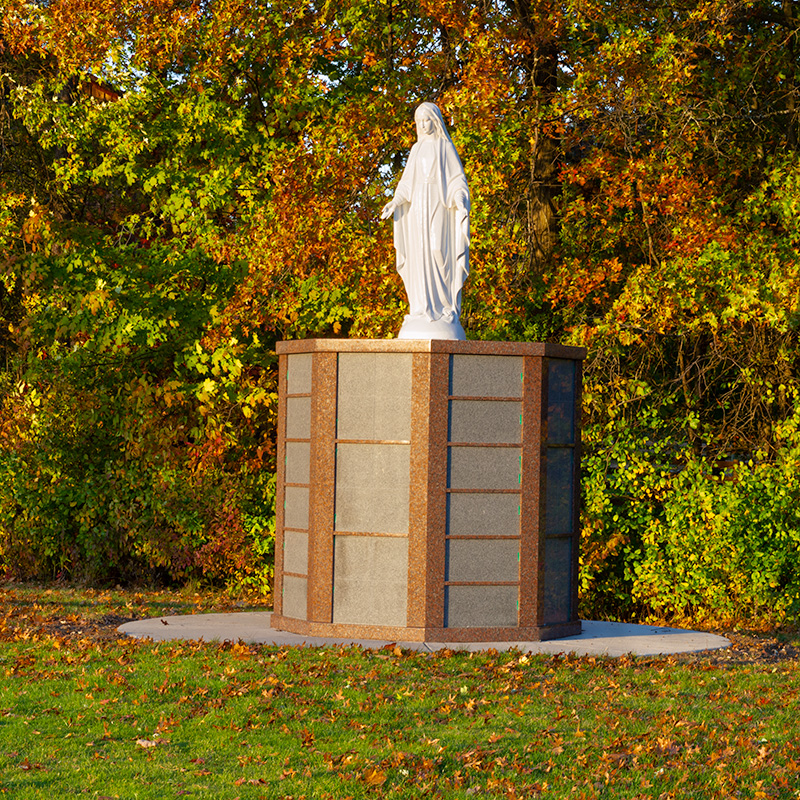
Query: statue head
column 431, row 112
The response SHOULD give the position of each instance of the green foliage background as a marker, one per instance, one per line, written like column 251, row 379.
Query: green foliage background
column 184, row 184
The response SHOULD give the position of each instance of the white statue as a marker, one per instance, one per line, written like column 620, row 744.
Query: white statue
column 431, row 231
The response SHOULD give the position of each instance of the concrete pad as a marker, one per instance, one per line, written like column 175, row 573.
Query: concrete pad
column 596, row 638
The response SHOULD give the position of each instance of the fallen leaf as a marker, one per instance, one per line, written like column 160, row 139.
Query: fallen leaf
column 374, row 777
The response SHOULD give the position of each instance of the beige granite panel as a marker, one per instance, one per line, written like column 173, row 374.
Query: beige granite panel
column 483, row 560
column 485, row 421
column 370, row 580
column 298, row 418
column 484, row 467
column 295, row 507
column 298, row 374
column 295, row 594
column 481, row 606
column 374, row 400
column 372, row 488
column 295, row 552
column 483, row 514
column 298, row 462
column 486, row 376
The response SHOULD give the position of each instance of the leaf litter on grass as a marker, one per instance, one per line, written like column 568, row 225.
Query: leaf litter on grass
column 120, row 717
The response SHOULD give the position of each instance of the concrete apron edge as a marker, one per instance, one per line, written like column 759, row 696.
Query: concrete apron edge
column 597, row 637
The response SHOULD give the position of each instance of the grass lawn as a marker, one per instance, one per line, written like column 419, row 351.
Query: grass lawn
column 86, row 713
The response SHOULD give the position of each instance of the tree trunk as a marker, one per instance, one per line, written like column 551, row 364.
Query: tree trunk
column 541, row 66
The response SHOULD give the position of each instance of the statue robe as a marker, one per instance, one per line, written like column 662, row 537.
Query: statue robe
column 431, row 235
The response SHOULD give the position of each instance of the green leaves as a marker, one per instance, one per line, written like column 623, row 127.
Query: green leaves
column 685, row 537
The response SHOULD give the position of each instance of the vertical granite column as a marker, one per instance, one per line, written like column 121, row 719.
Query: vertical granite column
column 323, row 483
column 532, row 498
column 427, row 496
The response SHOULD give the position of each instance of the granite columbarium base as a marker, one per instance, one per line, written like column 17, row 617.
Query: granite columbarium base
column 428, row 490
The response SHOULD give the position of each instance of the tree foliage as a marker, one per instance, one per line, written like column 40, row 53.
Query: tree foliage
column 184, row 183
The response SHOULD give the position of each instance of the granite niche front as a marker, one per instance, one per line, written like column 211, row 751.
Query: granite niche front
column 428, row 490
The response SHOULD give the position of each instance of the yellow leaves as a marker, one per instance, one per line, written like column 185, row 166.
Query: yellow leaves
column 96, row 300
column 37, row 227
column 206, row 390
column 171, row 392
column 374, row 777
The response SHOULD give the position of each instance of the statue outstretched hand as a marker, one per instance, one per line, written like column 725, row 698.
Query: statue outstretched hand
column 388, row 209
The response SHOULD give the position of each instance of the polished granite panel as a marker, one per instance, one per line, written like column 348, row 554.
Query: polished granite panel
column 559, row 492
column 374, row 396
column 372, row 488
column 557, row 580
column 484, row 467
column 298, row 373
column 485, row 421
column 486, row 376
column 482, row 514
column 370, row 578
column 560, row 401
column 481, row 606
column 483, row 560
column 298, row 462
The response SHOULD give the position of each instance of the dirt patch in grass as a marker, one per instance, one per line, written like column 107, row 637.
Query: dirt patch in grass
column 102, row 629
column 75, row 613
column 748, row 649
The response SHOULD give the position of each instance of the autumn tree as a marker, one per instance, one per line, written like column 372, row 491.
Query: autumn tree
column 635, row 186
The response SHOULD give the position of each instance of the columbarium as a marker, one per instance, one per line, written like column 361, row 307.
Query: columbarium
column 428, row 490
column 428, row 486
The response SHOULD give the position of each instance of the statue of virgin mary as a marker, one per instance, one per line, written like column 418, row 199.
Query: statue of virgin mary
column 431, row 231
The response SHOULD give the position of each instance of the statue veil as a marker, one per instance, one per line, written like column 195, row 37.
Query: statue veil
column 431, row 231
